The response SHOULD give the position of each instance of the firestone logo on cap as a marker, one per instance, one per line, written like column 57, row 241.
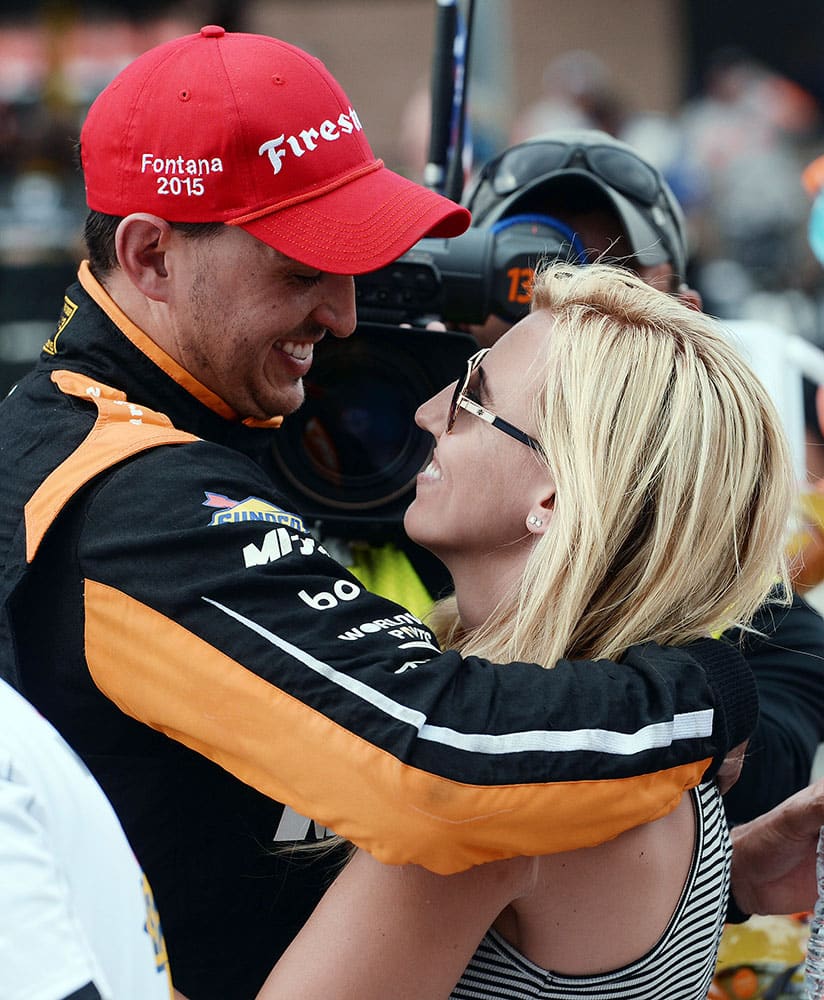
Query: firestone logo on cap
column 306, row 141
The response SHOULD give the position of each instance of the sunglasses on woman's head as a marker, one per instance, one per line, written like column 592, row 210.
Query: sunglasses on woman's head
column 461, row 401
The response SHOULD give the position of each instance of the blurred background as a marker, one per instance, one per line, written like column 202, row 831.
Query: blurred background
column 728, row 99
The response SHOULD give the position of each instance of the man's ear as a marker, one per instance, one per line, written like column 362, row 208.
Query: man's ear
column 141, row 242
column 690, row 297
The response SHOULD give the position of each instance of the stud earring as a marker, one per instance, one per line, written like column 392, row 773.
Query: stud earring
column 534, row 521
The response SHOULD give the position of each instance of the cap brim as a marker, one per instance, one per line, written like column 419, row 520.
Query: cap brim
column 645, row 243
column 361, row 226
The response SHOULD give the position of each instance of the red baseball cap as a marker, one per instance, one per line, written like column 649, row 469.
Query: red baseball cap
column 253, row 132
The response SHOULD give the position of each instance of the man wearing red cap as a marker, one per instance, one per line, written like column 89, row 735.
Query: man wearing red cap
column 169, row 612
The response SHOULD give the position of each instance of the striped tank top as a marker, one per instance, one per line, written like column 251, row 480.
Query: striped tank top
column 679, row 967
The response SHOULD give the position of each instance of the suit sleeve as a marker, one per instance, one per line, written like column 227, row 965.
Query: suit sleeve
column 786, row 655
column 213, row 616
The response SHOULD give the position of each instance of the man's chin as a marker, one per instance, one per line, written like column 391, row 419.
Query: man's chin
column 287, row 401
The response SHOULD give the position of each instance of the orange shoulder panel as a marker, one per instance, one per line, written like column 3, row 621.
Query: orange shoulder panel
column 122, row 429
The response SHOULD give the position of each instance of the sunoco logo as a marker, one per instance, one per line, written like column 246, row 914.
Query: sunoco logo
column 251, row 509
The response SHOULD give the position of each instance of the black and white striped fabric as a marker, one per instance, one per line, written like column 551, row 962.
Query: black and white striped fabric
column 679, row 967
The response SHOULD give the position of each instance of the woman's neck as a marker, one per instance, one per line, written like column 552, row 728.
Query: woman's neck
column 481, row 583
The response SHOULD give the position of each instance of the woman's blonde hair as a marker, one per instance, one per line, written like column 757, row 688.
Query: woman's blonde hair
column 673, row 479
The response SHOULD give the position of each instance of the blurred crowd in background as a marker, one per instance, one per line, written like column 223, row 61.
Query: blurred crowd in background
column 733, row 155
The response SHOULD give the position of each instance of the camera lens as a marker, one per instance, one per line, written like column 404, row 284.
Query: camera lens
column 354, row 445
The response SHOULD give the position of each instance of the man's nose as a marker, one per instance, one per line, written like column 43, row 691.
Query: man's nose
column 337, row 311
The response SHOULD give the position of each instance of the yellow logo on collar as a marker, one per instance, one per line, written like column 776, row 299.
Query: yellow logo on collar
column 69, row 309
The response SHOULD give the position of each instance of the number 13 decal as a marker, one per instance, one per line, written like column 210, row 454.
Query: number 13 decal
column 520, row 284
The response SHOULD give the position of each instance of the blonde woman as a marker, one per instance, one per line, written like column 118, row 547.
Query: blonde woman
column 609, row 472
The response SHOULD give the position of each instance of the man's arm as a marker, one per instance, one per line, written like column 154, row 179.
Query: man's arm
column 787, row 660
column 231, row 630
column 45, row 950
column 773, row 860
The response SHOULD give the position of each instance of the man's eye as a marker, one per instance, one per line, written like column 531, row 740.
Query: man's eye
column 308, row 280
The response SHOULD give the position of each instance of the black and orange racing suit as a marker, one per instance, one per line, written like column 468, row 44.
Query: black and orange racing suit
column 172, row 617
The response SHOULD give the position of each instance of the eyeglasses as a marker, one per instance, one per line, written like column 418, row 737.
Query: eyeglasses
column 619, row 168
column 460, row 401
